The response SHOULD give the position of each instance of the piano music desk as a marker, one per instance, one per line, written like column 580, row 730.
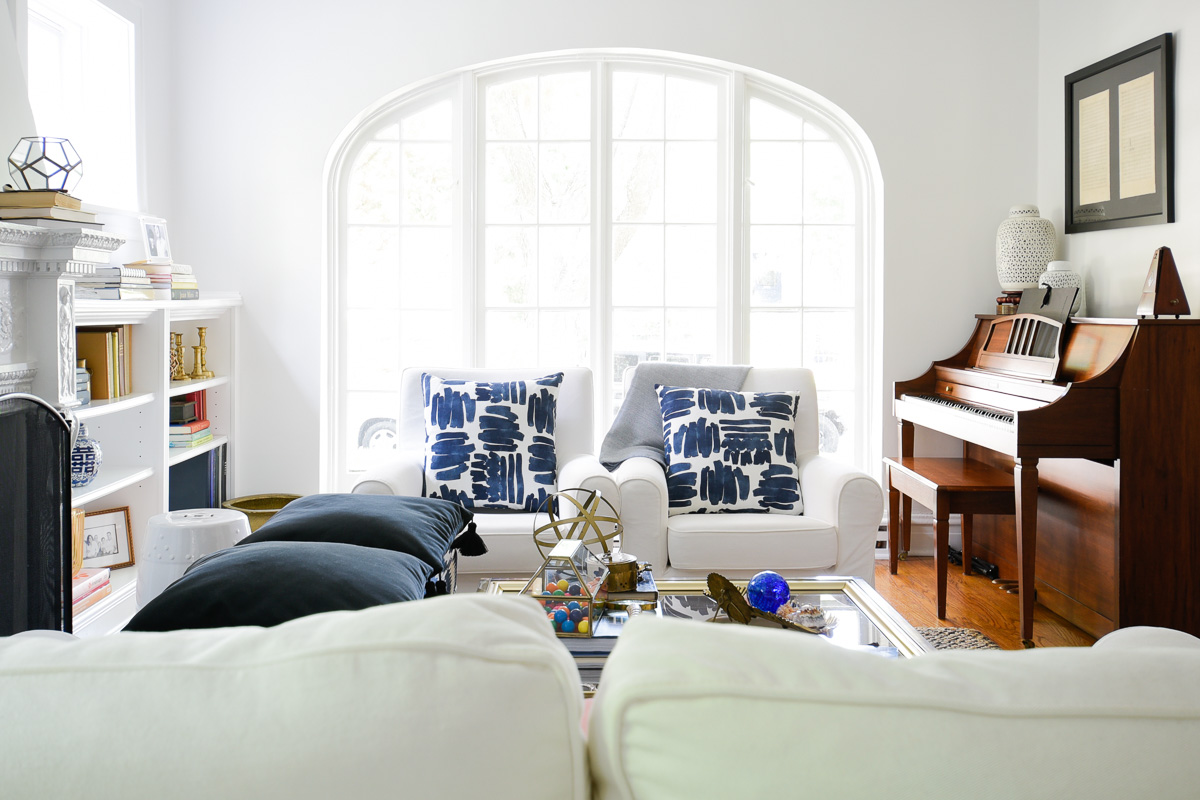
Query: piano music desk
column 945, row 486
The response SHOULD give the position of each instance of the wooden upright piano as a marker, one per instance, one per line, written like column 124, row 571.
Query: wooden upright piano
column 1104, row 448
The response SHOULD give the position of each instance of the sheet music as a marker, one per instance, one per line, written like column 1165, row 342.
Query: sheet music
column 1135, row 120
column 1093, row 150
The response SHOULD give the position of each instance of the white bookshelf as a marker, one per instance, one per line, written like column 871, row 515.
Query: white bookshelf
column 38, row 268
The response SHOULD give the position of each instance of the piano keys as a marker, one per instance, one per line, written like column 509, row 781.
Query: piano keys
column 1104, row 445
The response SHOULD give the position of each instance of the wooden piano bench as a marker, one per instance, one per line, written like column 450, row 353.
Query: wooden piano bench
column 945, row 486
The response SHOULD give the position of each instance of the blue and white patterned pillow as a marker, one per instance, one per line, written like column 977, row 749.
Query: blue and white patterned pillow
column 491, row 445
column 730, row 451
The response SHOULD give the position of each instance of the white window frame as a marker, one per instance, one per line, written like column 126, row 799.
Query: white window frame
column 735, row 86
column 130, row 12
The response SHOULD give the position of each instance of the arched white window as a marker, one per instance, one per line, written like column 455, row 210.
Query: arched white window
column 600, row 209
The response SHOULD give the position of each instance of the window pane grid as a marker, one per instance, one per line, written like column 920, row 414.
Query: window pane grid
column 665, row 217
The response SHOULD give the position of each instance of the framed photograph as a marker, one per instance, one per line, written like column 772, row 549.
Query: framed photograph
column 107, row 541
column 1120, row 124
column 154, row 237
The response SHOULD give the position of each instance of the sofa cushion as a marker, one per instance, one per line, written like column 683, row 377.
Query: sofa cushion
column 419, row 526
column 793, row 712
column 408, row 700
column 490, row 445
column 730, row 451
column 780, row 542
column 267, row 583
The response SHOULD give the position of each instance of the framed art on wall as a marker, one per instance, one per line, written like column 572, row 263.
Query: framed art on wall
column 107, row 541
column 1120, row 126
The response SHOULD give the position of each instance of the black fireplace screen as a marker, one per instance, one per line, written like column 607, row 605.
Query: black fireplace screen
column 35, row 516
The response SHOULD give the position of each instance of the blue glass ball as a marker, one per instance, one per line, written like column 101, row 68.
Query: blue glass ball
column 767, row 591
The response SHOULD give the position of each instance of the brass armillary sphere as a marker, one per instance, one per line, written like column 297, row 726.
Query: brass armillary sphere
column 578, row 514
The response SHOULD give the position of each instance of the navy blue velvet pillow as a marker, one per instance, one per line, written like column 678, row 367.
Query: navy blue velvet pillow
column 420, row 526
column 272, row 582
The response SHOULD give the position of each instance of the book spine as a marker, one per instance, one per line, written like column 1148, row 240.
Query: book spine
column 96, row 596
column 87, row 581
column 185, row 294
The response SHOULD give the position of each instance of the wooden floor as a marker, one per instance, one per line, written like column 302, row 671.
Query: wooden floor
column 972, row 601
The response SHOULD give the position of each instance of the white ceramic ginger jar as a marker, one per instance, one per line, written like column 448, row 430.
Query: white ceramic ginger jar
column 1024, row 246
column 1059, row 275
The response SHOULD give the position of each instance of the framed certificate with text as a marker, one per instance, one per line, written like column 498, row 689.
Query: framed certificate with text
column 1120, row 125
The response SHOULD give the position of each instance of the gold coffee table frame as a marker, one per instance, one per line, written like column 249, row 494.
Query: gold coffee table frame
column 857, row 592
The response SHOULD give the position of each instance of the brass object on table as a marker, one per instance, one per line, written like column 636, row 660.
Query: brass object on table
column 735, row 605
column 594, row 521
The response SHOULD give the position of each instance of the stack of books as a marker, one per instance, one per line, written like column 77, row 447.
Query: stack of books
column 46, row 208
column 115, row 283
column 88, row 587
column 183, row 283
column 189, row 434
column 169, row 281
column 83, row 382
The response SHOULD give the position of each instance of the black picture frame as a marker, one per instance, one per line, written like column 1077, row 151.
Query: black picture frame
column 1114, row 181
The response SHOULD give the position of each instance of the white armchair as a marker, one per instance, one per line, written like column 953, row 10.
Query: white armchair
column 835, row 535
column 508, row 534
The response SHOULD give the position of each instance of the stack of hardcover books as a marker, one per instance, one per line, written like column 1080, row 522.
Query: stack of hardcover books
column 88, row 587
column 46, row 208
column 83, row 382
column 115, row 283
column 169, row 281
column 189, row 434
column 183, row 283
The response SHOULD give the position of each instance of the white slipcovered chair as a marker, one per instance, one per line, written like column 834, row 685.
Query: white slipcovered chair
column 508, row 534
column 835, row 535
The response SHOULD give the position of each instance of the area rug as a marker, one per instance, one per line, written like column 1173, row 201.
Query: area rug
column 957, row 639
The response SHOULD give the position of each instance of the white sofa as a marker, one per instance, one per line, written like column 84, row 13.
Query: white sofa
column 508, row 535
column 472, row 696
column 835, row 535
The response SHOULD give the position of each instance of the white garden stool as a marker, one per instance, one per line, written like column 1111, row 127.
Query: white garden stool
column 176, row 539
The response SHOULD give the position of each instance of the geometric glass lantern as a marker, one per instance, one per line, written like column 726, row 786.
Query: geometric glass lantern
column 570, row 588
column 45, row 162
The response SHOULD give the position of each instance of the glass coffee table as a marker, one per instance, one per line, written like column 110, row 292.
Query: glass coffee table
column 865, row 621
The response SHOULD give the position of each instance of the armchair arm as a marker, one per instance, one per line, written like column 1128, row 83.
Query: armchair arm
column 1142, row 636
column 585, row 471
column 404, row 475
column 643, row 487
column 851, row 500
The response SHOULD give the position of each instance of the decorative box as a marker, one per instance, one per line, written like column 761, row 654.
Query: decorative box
column 570, row 586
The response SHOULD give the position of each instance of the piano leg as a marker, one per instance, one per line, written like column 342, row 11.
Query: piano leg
column 908, row 432
column 893, row 525
column 968, row 527
column 1025, row 483
column 941, row 548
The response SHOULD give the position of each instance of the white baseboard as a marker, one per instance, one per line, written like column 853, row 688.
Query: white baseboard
column 922, row 539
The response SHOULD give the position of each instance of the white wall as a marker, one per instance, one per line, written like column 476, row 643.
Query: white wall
column 945, row 90
column 1074, row 34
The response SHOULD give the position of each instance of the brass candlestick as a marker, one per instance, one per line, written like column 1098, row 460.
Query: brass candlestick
column 197, row 363
column 178, row 373
column 204, row 370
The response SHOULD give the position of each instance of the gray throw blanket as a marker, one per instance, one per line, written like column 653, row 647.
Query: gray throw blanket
column 638, row 428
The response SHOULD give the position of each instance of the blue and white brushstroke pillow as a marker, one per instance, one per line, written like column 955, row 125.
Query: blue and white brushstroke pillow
column 490, row 445
column 730, row 451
